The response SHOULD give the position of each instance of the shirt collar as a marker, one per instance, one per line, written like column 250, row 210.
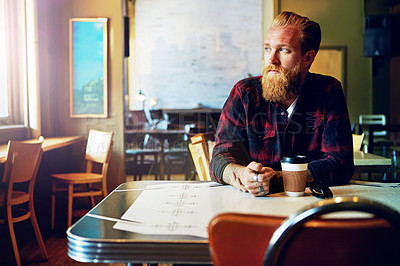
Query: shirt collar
column 291, row 107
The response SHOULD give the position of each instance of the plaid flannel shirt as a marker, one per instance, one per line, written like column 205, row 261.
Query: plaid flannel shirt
column 253, row 129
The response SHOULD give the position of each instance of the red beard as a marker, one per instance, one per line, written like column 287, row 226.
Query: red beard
column 278, row 88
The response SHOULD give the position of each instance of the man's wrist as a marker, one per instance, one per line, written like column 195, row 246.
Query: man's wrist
column 231, row 169
column 309, row 177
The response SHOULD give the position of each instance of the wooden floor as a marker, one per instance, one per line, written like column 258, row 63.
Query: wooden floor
column 55, row 242
column 56, row 246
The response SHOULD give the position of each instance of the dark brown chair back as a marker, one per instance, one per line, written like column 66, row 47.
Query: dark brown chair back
column 311, row 238
column 240, row 239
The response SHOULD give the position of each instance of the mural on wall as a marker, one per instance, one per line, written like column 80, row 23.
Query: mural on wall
column 191, row 53
column 88, row 67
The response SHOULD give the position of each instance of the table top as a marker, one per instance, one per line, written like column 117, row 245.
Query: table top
column 370, row 163
column 193, row 110
column 155, row 131
column 361, row 158
column 94, row 239
column 48, row 144
column 154, row 151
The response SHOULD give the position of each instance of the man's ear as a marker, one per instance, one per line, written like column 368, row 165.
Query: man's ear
column 309, row 58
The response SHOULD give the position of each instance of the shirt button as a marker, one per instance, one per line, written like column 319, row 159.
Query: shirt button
column 282, row 113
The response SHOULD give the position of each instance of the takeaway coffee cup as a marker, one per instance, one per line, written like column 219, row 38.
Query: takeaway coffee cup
column 294, row 172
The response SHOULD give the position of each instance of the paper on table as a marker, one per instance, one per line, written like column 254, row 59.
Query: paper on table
column 170, row 209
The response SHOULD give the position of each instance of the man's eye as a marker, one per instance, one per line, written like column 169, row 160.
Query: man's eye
column 267, row 49
column 284, row 50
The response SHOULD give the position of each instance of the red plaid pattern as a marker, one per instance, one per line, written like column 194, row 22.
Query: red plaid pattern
column 252, row 129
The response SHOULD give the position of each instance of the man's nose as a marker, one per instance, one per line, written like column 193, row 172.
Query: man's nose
column 273, row 58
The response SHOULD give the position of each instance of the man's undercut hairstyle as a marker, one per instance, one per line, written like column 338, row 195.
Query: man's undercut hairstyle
column 310, row 31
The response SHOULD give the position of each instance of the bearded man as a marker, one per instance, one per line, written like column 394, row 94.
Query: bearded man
column 286, row 111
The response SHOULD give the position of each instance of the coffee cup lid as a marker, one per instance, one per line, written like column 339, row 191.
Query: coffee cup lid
column 296, row 159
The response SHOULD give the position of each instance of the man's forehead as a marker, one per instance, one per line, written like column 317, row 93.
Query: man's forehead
column 289, row 36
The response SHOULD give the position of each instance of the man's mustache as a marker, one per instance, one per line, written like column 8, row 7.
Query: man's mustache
column 274, row 68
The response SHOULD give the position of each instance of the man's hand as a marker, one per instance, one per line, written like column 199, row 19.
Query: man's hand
column 235, row 181
column 253, row 178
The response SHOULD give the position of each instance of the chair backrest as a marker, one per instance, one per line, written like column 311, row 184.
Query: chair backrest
column 378, row 119
column 358, row 141
column 138, row 119
column 198, row 138
column 306, row 238
column 199, row 150
column 22, row 163
column 98, row 149
column 240, row 239
column 156, row 114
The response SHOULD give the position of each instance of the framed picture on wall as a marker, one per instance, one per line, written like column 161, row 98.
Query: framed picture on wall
column 88, row 67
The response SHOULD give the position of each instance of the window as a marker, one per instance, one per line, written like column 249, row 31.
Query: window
column 13, row 70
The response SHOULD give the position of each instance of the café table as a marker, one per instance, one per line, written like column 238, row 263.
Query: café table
column 48, row 144
column 94, row 239
column 370, row 163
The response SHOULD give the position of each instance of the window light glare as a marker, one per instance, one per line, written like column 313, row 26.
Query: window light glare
column 3, row 65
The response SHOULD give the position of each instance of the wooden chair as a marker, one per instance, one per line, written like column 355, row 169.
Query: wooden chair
column 199, row 150
column 22, row 164
column 98, row 151
column 240, row 239
column 309, row 238
column 358, row 142
column 137, row 119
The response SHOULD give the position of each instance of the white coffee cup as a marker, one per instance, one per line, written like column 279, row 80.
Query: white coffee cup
column 294, row 173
